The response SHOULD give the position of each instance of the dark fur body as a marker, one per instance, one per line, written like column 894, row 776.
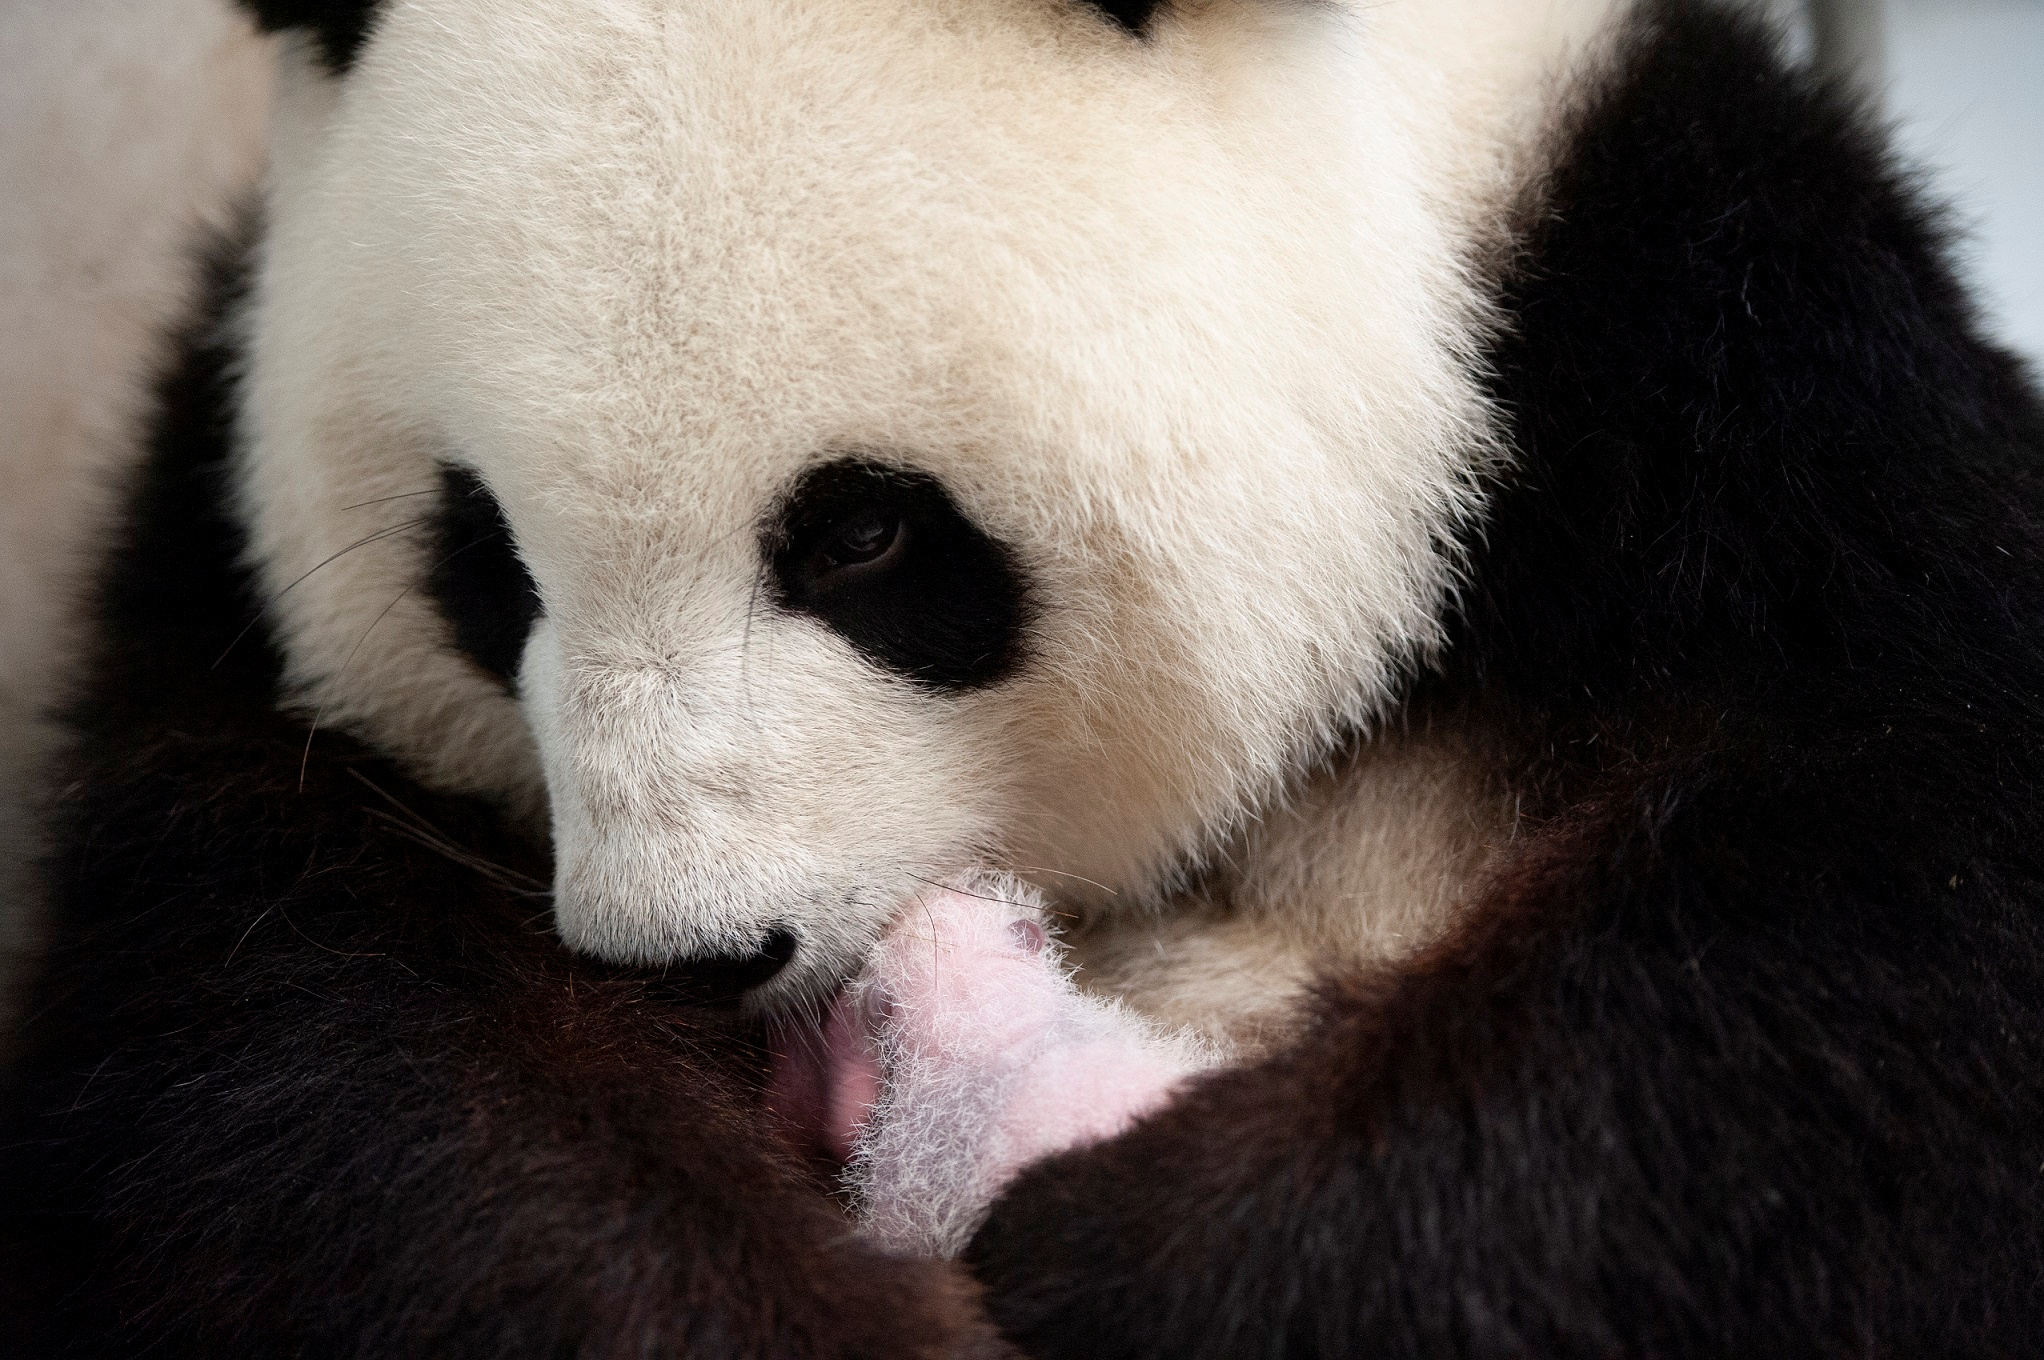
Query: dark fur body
column 1743, row 1052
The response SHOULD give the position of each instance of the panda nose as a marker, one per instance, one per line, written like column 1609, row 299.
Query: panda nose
column 732, row 974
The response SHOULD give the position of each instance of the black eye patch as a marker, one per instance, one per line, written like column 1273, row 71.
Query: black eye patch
column 338, row 26
column 1130, row 14
column 477, row 577
column 886, row 560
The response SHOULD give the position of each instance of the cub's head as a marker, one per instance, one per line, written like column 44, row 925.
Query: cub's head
column 801, row 449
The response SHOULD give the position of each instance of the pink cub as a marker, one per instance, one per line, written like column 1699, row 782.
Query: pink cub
column 964, row 1053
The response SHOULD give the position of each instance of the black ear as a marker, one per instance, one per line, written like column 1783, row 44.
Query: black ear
column 1130, row 14
column 338, row 25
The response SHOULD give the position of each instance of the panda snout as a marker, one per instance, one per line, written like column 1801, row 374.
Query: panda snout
column 739, row 973
column 708, row 840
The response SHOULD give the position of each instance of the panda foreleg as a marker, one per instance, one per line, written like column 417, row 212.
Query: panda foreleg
column 1650, row 1099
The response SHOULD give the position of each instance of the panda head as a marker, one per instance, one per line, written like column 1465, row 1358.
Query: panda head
column 805, row 449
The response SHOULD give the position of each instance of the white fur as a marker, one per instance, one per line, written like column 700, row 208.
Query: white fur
column 1368, row 862
column 1188, row 321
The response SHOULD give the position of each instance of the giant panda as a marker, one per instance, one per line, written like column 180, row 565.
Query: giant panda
column 1471, row 557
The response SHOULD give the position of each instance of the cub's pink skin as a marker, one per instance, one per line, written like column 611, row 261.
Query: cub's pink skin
column 827, row 1078
column 964, row 1053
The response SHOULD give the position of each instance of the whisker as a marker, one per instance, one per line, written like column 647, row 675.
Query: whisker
column 936, row 954
column 982, row 897
column 385, row 500
column 978, row 896
column 506, row 879
column 271, row 603
column 341, row 953
column 745, row 645
column 799, row 1030
column 320, row 712
column 1060, row 873
column 305, row 760
column 433, row 838
column 250, row 931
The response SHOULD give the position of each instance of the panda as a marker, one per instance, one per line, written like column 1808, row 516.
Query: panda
column 1264, row 678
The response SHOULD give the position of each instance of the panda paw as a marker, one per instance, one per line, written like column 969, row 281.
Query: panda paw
column 965, row 1052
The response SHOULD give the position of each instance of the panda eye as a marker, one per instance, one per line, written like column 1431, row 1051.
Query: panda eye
column 885, row 559
column 864, row 538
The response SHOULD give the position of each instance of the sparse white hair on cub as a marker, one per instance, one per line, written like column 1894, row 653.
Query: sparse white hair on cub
column 1185, row 321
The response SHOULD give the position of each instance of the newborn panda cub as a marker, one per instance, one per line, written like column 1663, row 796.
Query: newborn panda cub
column 964, row 1053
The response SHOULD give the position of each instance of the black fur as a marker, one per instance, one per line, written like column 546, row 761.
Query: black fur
column 886, row 559
column 477, row 577
column 1738, row 1055
column 307, row 1074
column 1743, row 1054
column 339, row 27
column 1133, row 15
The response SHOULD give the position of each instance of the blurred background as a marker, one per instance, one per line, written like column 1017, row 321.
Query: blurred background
column 127, row 124
column 1964, row 80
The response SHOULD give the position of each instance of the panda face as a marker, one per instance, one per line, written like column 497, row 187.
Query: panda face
column 804, row 450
